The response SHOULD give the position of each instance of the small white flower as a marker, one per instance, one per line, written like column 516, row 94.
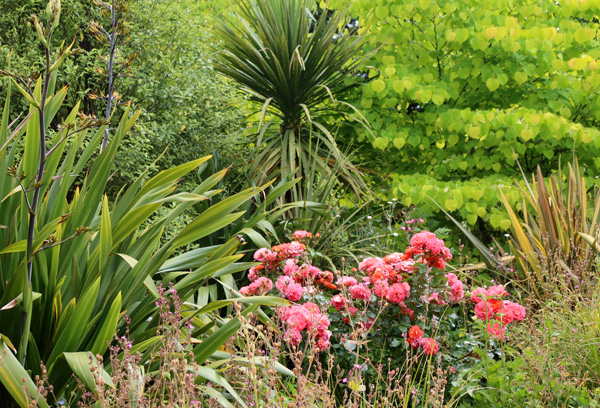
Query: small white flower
column 395, row 234
column 369, row 217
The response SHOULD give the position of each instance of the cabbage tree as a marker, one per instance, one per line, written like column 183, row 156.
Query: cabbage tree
column 292, row 63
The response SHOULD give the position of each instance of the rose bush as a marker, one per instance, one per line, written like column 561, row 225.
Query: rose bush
column 402, row 306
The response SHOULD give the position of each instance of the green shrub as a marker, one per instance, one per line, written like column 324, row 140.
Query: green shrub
column 510, row 384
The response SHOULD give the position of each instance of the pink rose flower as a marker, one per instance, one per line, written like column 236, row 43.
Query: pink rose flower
column 301, row 234
column 456, row 292
column 360, row 291
column 477, row 295
column 452, row 278
column 505, row 315
column 282, row 283
column 497, row 330
column 497, row 291
column 346, row 281
column 294, row 291
column 261, row 254
column 517, row 310
column 290, row 268
column 434, row 245
column 381, row 288
column 293, row 336
column 398, row 292
column 430, row 346
column 339, row 302
column 484, row 310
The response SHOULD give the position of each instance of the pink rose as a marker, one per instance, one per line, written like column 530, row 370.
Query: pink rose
column 505, row 315
column 381, row 288
column 430, row 346
column 497, row 330
column 293, row 336
column 497, row 291
column 339, row 302
column 290, row 267
column 452, row 278
column 294, row 291
column 398, row 292
column 346, row 281
column 477, row 295
column 456, row 292
column 301, row 234
column 484, row 310
column 517, row 310
column 360, row 291
column 261, row 254
column 434, row 245
column 418, row 240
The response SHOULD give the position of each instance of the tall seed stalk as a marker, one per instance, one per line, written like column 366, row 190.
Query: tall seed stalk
column 45, row 36
column 115, row 36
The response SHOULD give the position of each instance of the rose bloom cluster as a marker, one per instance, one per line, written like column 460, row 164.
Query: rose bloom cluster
column 376, row 280
column 306, row 318
column 491, row 307
column 295, row 278
column 386, row 276
column 416, row 340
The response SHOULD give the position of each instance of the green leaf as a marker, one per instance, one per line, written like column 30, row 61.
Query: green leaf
column 20, row 246
column 378, row 85
column 521, row 77
column 71, row 337
column 81, row 363
column 206, row 271
column 381, row 143
column 105, row 235
column 211, row 344
column 14, row 378
column 461, row 35
column 108, row 329
column 492, row 84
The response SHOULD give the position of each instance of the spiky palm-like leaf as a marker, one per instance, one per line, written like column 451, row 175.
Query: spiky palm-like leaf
column 292, row 65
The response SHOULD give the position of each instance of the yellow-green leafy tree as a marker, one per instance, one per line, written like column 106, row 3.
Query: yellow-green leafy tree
column 461, row 89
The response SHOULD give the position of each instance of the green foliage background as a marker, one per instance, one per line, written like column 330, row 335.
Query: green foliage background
column 185, row 105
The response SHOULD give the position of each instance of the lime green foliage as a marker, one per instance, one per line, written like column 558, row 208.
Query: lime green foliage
column 292, row 65
column 461, row 89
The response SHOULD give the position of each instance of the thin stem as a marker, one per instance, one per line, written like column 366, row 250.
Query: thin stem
column 111, row 60
column 25, row 191
column 27, row 293
column 57, row 243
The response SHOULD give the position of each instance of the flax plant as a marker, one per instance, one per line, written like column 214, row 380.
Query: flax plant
column 73, row 260
column 548, row 241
